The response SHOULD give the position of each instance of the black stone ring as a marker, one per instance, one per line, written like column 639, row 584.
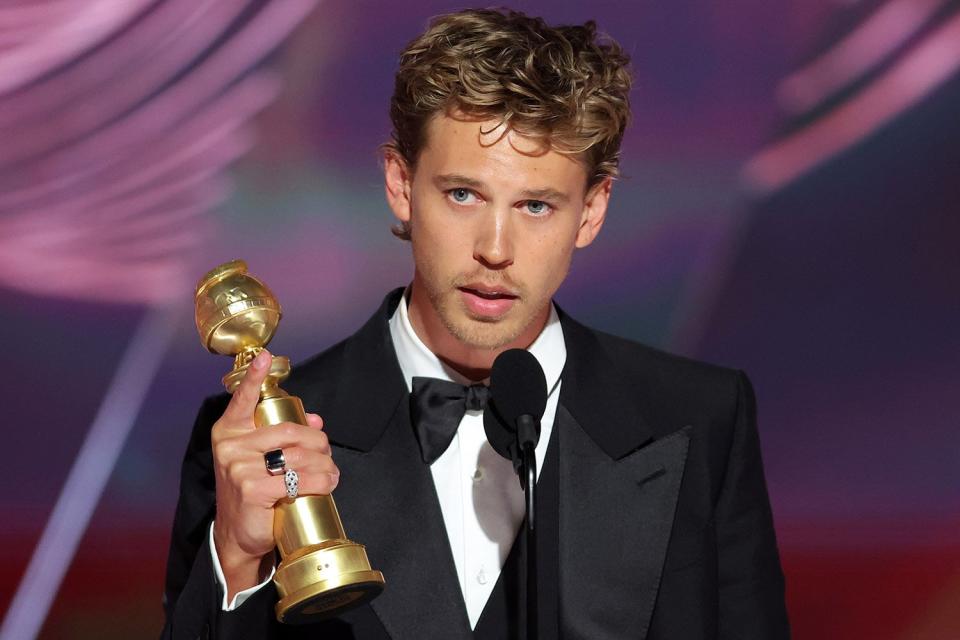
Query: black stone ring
column 276, row 463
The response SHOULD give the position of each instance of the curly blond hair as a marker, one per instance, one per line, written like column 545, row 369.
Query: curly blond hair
column 564, row 86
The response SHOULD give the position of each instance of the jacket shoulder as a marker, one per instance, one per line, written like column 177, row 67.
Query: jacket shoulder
column 672, row 383
column 319, row 366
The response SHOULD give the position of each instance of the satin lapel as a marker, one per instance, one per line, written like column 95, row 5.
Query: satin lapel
column 386, row 496
column 615, row 522
column 355, row 385
column 388, row 502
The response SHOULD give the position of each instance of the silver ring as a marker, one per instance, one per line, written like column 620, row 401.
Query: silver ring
column 275, row 462
column 292, row 480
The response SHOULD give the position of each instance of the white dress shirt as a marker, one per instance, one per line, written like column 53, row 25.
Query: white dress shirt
column 480, row 499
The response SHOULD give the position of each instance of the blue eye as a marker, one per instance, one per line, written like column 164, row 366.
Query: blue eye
column 460, row 195
column 537, row 207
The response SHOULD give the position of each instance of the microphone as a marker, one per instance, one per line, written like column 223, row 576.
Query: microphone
column 518, row 398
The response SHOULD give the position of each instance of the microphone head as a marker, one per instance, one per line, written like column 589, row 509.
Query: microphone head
column 518, row 386
column 502, row 438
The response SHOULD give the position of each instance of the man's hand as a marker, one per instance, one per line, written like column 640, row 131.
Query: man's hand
column 246, row 492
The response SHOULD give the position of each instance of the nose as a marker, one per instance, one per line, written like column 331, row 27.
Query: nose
column 493, row 247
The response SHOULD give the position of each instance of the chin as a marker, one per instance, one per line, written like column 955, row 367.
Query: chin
column 485, row 333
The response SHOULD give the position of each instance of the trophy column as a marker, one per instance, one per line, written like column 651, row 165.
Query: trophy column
column 321, row 572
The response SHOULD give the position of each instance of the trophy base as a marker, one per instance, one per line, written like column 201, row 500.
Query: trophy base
column 325, row 582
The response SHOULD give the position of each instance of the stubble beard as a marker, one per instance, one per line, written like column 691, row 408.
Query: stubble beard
column 480, row 332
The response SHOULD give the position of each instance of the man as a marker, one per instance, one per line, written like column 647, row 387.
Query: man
column 655, row 521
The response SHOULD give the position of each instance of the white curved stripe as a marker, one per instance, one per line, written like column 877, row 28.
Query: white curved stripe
column 927, row 66
column 87, row 175
column 85, row 108
column 126, row 48
column 90, row 21
column 881, row 33
column 89, row 475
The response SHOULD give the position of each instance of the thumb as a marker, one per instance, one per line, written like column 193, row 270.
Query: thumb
column 247, row 394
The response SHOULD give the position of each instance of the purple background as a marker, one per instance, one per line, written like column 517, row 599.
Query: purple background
column 837, row 293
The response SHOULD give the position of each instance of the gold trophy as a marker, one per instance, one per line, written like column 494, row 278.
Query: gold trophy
column 321, row 572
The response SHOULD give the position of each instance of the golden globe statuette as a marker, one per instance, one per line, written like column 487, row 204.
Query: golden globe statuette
column 321, row 572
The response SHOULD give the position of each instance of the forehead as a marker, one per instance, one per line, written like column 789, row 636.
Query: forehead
column 491, row 152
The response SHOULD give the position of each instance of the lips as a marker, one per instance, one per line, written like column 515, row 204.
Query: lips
column 488, row 301
column 489, row 293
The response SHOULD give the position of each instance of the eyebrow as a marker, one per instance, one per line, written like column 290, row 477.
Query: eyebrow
column 545, row 194
column 449, row 180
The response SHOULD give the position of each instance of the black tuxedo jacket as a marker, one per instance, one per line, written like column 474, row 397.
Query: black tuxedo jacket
column 665, row 529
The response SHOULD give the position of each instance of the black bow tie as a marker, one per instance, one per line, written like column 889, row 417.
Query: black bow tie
column 436, row 409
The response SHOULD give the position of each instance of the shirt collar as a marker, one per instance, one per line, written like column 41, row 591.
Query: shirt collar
column 416, row 359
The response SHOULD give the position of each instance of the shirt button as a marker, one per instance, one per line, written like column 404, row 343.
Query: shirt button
column 482, row 577
column 477, row 474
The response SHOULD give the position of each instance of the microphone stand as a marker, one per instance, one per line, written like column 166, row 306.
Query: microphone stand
column 527, row 434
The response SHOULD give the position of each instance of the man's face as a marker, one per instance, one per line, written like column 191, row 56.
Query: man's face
column 494, row 220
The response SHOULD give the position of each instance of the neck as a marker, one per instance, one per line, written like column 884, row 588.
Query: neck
column 471, row 361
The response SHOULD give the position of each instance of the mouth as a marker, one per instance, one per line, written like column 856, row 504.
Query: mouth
column 487, row 301
column 489, row 292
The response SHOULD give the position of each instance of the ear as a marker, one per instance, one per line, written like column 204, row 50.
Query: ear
column 594, row 212
column 397, row 178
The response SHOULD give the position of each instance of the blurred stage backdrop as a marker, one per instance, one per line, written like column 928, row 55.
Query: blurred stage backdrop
column 789, row 206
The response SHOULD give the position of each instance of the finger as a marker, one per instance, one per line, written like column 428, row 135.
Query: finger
column 314, row 421
column 309, row 460
column 303, row 460
column 311, row 484
column 247, row 394
column 286, row 434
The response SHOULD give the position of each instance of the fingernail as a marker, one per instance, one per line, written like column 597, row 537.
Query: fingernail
column 261, row 360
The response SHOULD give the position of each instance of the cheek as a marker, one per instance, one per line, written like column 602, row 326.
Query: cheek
column 432, row 217
column 441, row 243
column 439, row 239
column 549, row 258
